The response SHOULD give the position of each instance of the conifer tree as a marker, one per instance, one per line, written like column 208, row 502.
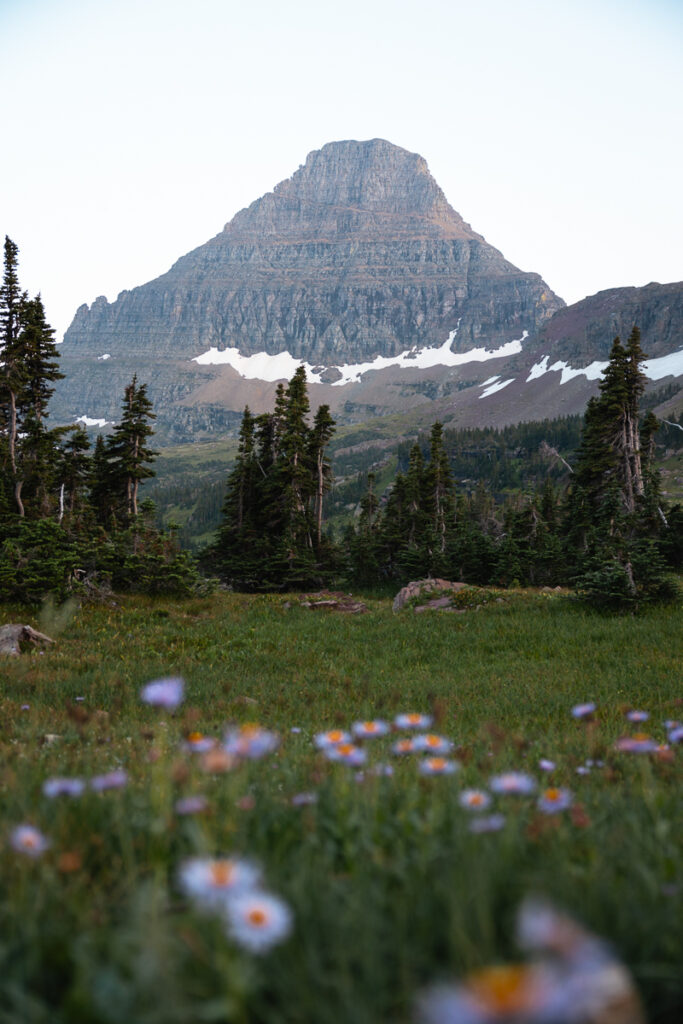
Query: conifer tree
column 128, row 453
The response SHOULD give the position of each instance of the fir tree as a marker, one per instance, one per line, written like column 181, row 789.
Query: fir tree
column 128, row 453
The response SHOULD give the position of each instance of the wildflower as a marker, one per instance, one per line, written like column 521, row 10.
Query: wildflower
column 637, row 716
column 432, row 743
column 676, row 734
column 163, row 693
column 25, row 707
column 368, row 730
column 413, row 721
column 474, row 799
column 27, row 839
column 545, row 765
column 63, row 787
column 347, row 753
column 304, row 799
column 404, row 747
column 583, row 769
column 583, row 710
column 191, row 805
column 210, row 880
column 487, row 823
column 640, row 743
column 295, row 729
column 258, row 920
column 438, row 766
column 250, row 741
column 323, row 740
column 110, row 780
column 197, row 743
column 512, row 782
column 217, row 760
column 553, row 800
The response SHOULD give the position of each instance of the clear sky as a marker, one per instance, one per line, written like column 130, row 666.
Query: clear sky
column 133, row 130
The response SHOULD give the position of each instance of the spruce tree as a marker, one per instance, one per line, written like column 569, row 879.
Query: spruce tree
column 128, row 453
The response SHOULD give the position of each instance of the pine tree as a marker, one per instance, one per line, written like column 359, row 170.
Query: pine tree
column 319, row 438
column 12, row 371
column 128, row 454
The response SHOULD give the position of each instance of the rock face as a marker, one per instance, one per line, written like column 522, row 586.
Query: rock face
column 357, row 255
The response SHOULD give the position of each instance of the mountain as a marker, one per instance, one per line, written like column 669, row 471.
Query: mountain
column 357, row 266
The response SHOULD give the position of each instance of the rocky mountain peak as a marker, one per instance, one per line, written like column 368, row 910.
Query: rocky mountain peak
column 368, row 189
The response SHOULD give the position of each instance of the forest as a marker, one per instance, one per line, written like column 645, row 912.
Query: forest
column 575, row 502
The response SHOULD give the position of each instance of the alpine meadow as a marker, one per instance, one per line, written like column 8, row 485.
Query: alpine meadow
column 340, row 573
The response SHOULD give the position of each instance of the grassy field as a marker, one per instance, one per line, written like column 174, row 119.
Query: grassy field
column 388, row 887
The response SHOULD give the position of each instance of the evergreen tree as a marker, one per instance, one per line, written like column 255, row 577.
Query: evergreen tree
column 128, row 453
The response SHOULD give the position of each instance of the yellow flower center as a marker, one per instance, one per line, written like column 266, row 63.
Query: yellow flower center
column 194, row 737
column 345, row 749
column 437, row 764
column 476, row 799
column 552, row 795
column 370, row 726
column 404, row 745
column 414, row 719
column 257, row 917
column 641, row 737
column 433, row 741
column 335, row 736
column 222, row 872
column 503, row 989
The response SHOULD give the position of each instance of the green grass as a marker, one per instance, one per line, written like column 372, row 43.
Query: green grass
column 388, row 888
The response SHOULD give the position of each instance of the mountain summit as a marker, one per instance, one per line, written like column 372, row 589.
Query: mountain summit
column 358, row 254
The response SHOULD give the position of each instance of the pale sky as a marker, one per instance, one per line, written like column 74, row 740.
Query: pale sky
column 133, row 130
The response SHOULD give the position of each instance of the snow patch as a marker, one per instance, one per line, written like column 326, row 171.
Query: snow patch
column 491, row 390
column 88, row 422
column 100, row 359
column 262, row 366
column 538, row 369
column 665, row 366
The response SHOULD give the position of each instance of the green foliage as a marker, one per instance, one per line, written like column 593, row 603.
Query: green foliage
column 388, row 888
column 271, row 532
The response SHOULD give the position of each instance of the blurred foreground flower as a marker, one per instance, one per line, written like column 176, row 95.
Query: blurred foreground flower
column 517, row 783
column 584, row 710
column 323, row 740
column 474, row 799
column 63, row 787
column 210, row 880
column 116, row 779
column 432, row 744
column 163, row 693
column 573, row 980
column 27, row 839
column 347, row 753
column 258, row 920
column 553, row 800
column 250, row 741
column 368, row 730
column 413, row 721
column 438, row 766
column 639, row 743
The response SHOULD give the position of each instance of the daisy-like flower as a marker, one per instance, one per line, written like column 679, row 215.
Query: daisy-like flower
column 191, row 805
column 432, row 744
column 438, row 766
column 163, row 693
column 413, row 721
column 487, row 823
column 347, row 753
column 515, row 993
column 258, row 920
column 553, row 800
column 116, row 779
column 27, row 839
column 637, row 716
column 198, row 743
column 583, row 769
column 403, row 747
column 545, row 765
column 639, row 743
column 63, row 787
column 368, row 730
column 250, row 741
column 474, row 799
column 676, row 734
column 323, row 740
column 512, row 782
column 210, row 881
column 584, row 710
column 304, row 799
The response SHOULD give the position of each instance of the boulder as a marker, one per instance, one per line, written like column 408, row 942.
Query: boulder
column 14, row 637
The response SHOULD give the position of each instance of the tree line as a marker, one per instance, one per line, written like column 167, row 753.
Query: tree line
column 70, row 517
column 601, row 527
